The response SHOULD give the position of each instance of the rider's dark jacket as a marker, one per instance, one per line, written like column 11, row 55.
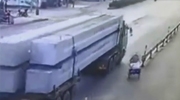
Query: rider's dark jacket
column 134, row 58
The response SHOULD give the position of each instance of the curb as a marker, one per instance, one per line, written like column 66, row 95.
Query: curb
column 123, row 6
column 26, row 23
column 89, row 6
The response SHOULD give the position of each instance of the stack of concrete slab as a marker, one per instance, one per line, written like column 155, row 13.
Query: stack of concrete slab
column 89, row 40
column 62, row 42
column 15, row 51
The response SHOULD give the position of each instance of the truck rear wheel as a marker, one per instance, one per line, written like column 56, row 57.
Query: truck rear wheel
column 117, row 58
column 110, row 65
column 59, row 98
column 67, row 96
column 120, row 57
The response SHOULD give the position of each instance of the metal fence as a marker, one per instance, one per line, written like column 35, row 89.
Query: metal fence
column 158, row 47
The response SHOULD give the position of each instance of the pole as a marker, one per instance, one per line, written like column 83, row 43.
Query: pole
column 169, row 29
column 1, row 5
column 31, row 6
column 5, row 5
column 37, row 7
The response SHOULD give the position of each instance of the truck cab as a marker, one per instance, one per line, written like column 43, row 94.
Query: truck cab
column 113, row 57
column 123, row 38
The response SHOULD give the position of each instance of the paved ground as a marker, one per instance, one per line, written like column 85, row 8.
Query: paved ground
column 56, row 13
column 53, row 14
column 18, row 29
column 159, row 79
column 80, row 8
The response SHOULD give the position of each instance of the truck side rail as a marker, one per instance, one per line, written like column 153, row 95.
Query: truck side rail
column 147, row 56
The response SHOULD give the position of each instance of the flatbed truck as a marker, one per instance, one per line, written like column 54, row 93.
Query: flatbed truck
column 103, row 64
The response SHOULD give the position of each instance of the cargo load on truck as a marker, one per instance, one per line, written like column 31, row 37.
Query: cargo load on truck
column 57, row 58
column 13, row 49
column 15, row 52
column 47, row 65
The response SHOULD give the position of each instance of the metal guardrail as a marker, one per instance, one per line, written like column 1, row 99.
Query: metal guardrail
column 158, row 47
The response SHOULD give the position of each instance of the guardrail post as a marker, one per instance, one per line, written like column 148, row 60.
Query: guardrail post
column 143, row 60
column 164, row 42
column 157, row 47
column 177, row 28
column 168, row 39
column 174, row 32
column 150, row 54
column 161, row 42
column 171, row 35
column 169, row 29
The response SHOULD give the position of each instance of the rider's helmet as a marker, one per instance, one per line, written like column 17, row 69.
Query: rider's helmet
column 135, row 58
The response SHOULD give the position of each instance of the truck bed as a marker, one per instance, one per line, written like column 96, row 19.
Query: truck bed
column 84, row 25
column 55, row 51
column 14, row 51
column 19, row 44
column 63, row 40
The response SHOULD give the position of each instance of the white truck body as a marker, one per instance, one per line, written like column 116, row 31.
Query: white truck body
column 52, row 59
column 14, row 52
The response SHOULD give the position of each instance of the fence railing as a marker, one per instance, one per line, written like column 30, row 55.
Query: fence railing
column 158, row 47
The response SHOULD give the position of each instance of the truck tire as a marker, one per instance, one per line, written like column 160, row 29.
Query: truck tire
column 118, row 56
column 59, row 98
column 73, row 91
column 110, row 66
column 121, row 57
column 67, row 96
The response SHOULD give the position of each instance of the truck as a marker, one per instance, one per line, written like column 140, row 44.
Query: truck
column 57, row 60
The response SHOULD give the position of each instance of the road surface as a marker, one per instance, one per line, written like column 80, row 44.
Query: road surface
column 54, row 16
column 159, row 79
column 18, row 29
column 146, row 16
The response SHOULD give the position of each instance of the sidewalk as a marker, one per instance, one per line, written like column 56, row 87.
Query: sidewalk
column 53, row 14
column 80, row 8
column 23, row 21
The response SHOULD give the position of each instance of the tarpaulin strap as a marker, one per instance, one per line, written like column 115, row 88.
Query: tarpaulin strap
column 74, row 53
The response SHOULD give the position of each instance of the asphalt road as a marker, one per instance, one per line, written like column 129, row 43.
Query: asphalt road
column 18, row 29
column 159, row 80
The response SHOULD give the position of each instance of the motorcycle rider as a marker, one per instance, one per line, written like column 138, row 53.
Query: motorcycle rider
column 135, row 62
